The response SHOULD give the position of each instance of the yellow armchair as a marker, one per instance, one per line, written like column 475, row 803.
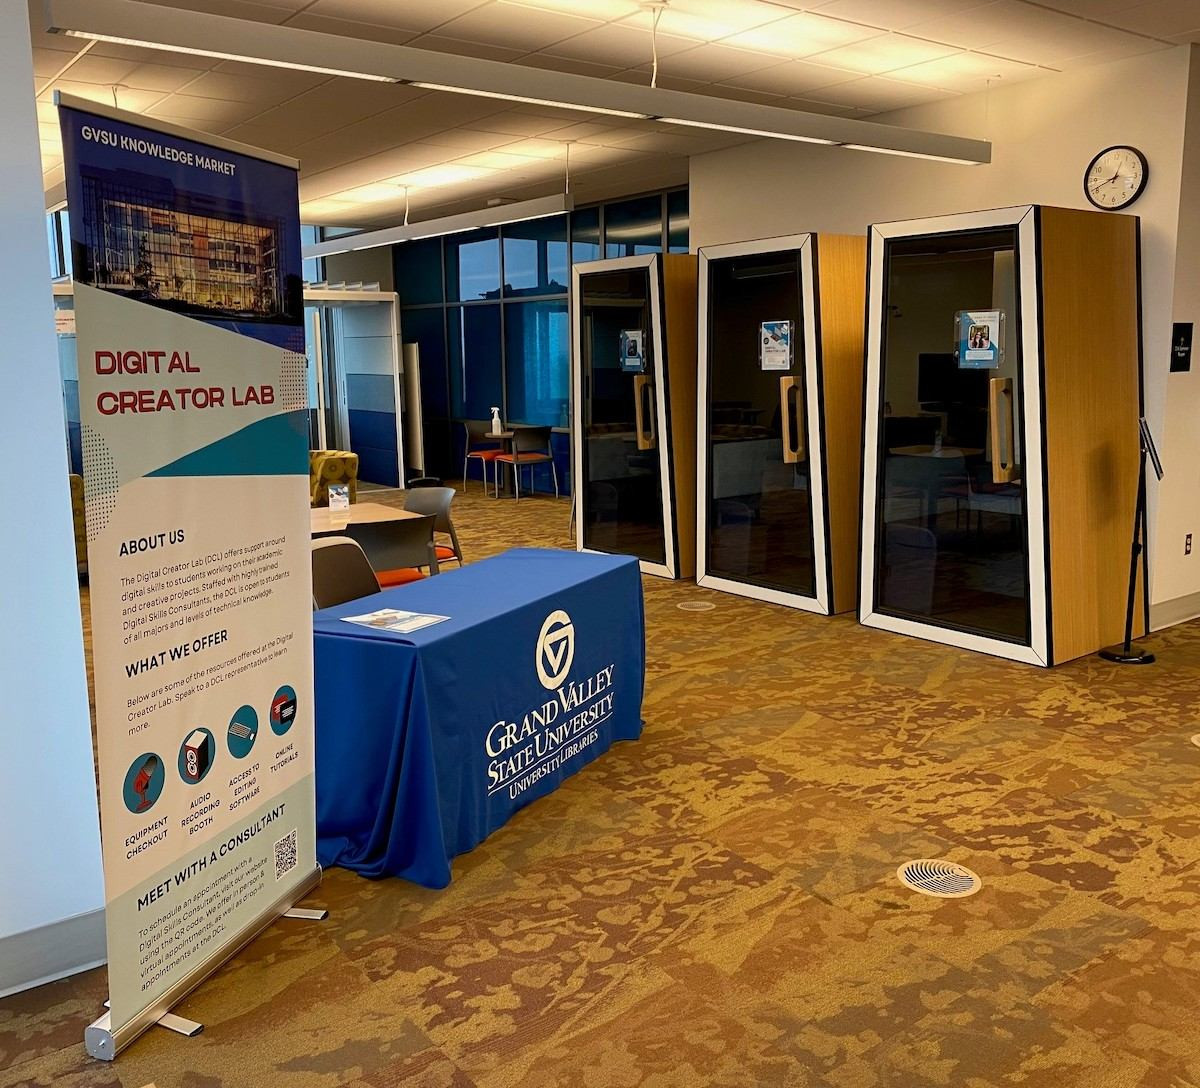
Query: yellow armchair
column 327, row 467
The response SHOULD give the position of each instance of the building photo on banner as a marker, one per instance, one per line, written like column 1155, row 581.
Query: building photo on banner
column 600, row 544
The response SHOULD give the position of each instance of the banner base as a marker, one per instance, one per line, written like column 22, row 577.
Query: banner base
column 104, row 1043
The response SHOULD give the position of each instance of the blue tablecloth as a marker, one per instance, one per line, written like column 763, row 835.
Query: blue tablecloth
column 429, row 741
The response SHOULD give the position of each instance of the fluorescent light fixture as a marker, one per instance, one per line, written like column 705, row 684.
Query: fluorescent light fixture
column 911, row 154
column 746, row 131
column 531, row 101
column 540, row 208
column 218, row 55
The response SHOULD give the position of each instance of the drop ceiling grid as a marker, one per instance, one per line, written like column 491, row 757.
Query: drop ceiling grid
column 845, row 57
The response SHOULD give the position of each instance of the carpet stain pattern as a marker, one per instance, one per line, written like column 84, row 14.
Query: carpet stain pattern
column 716, row 905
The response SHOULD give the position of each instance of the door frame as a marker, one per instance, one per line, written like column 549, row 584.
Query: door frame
column 653, row 263
column 1024, row 219
column 331, row 299
column 802, row 244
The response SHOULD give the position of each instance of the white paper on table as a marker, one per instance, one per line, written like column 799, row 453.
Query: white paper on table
column 393, row 619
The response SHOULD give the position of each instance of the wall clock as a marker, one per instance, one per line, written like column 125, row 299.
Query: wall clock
column 1116, row 177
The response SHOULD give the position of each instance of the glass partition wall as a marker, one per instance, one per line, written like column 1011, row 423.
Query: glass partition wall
column 953, row 538
column 625, row 494
column 762, row 530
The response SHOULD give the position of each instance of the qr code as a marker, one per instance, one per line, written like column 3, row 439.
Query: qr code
column 285, row 855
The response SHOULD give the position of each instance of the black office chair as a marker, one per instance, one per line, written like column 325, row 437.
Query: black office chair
column 340, row 572
column 436, row 501
column 397, row 549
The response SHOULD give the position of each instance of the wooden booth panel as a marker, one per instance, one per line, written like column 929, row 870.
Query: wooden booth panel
column 841, row 294
column 1091, row 366
column 679, row 278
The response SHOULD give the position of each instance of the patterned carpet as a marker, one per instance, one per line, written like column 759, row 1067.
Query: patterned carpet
column 717, row 904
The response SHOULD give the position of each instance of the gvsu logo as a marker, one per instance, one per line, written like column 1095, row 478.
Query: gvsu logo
column 555, row 649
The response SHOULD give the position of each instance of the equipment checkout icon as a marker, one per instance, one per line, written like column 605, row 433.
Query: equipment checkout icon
column 555, row 649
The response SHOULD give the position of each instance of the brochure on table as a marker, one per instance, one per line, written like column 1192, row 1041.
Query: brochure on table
column 192, row 382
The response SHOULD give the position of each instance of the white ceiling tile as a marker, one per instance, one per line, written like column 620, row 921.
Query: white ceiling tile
column 209, row 110
column 709, row 20
column 883, row 54
column 161, row 77
column 967, row 72
column 1160, row 18
column 793, row 77
column 417, row 15
column 256, row 85
column 710, row 63
column 802, row 35
column 893, row 15
column 516, row 28
column 877, row 94
column 618, row 44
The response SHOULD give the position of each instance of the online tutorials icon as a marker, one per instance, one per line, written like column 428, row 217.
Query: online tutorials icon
column 143, row 782
column 283, row 710
column 555, row 649
column 242, row 732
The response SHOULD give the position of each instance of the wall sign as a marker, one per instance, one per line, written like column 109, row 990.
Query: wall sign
column 980, row 339
column 1181, row 347
column 633, row 351
column 775, row 345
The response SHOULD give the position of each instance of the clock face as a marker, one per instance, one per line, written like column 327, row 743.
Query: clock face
column 1116, row 177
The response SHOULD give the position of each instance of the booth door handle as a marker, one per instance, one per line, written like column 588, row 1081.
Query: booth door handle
column 644, row 412
column 793, row 433
column 1001, row 410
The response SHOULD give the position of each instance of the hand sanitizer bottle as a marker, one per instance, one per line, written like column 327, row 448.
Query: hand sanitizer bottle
column 496, row 425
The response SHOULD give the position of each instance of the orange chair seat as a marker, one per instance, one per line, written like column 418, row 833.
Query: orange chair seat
column 484, row 455
column 445, row 552
column 399, row 577
column 523, row 458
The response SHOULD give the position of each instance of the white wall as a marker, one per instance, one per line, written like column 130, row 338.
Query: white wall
column 1177, row 576
column 49, row 831
column 1043, row 132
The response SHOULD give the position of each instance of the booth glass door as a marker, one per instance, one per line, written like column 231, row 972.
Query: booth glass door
column 624, row 507
column 951, row 506
column 762, row 526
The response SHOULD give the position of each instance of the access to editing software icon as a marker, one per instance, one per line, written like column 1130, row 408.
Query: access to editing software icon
column 283, row 710
column 242, row 732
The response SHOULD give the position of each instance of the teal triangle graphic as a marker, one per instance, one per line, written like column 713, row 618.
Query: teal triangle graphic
column 275, row 446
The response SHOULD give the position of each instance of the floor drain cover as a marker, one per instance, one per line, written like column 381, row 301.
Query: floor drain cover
column 943, row 879
column 696, row 606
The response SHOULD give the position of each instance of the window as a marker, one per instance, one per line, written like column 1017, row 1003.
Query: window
column 585, row 235
column 474, row 356
column 633, row 227
column 418, row 272
column 473, row 266
column 535, row 257
column 536, row 352
column 425, row 327
column 678, row 222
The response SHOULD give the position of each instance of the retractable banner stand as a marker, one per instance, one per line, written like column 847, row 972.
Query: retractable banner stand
column 193, row 401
